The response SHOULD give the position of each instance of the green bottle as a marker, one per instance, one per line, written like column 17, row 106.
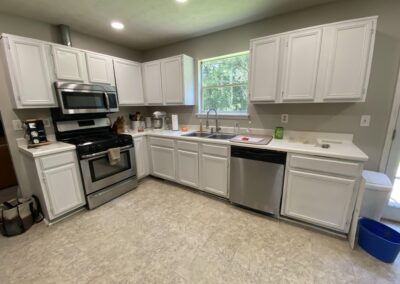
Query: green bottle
column 279, row 132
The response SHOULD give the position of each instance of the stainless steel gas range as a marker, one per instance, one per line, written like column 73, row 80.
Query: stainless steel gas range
column 93, row 137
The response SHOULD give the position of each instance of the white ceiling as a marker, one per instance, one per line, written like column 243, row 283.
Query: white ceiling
column 151, row 23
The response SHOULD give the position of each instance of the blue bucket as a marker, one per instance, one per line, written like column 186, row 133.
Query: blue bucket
column 379, row 240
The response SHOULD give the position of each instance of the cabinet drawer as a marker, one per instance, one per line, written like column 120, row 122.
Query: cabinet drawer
column 188, row 146
column 325, row 165
column 216, row 150
column 56, row 160
column 162, row 142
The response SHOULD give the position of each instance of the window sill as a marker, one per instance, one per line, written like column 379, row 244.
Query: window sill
column 243, row 116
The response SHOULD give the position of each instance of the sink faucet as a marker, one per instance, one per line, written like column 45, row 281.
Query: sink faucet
column 216, row 120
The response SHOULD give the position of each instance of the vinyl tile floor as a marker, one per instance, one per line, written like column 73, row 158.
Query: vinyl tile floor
column 165, row 233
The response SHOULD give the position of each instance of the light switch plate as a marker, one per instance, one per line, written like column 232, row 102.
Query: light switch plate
column 365, row 120
column 284, row 118
column 17, row 124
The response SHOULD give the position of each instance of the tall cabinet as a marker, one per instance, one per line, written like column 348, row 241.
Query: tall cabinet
column 327, row 63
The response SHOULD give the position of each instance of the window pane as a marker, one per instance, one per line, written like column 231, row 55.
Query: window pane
column 224, row 84
column 225, row 99
column 225, row 71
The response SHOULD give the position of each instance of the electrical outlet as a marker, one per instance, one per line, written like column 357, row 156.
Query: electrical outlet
column 46, row 122
column 17, row 124
column 365, row 120
column 284, row 118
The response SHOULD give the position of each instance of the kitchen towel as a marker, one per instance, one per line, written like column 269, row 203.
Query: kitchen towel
column 175, row 125
column 114, row 155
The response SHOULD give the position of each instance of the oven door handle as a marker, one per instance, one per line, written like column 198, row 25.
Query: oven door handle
column 102, row 153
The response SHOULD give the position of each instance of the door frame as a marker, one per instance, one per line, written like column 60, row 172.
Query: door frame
column 391, row 128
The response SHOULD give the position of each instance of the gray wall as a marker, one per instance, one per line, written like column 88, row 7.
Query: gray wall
column 344, row 117
column 38, row 30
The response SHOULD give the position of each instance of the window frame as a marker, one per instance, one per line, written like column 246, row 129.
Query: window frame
column 236, row 115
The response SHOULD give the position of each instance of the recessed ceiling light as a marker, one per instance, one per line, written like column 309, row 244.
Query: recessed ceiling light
column 181, row 1
column 117, row 25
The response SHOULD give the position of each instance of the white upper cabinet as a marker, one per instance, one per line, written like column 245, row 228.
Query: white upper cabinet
column 264, row 72
column 172, row 80
column 301, row 65
column 327, row 63
column 100, row 68
column 152, row 82
column 348, row 60
column 169, row 81
column 29, row 72
column 128, row 79
column 69, row 64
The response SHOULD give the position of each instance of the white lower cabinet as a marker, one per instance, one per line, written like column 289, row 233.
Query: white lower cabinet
column 214, row 174
column 320, row 198
column 188, row 168
column 142, row 157
column 163, row 162
column 199, row 165
column 56, row 181
column 64, row 189
column 214, row 169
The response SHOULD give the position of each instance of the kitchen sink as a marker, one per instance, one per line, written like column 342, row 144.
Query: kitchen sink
column 224, row 136
column 198, row 134
column 210, row 135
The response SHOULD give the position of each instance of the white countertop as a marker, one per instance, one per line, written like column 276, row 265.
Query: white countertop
column 344, row 150
column 53, row 148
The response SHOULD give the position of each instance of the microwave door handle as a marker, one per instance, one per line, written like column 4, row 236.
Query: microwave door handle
column 107, row 100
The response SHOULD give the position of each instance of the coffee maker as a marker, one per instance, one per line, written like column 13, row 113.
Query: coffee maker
column 159, row 119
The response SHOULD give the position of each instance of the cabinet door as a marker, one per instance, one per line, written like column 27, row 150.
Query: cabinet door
column 163, row 162
column 64, row 189
column 172, row 80
column 188, row 168
column 319, row 199
column 128, row 78
column 32, row 84
column 68, row 64
column 100, row 68
column 152, row 82
column 142, row 157
column 301, row 65
column 264, row 69
column 214, row 174
column 349, row 60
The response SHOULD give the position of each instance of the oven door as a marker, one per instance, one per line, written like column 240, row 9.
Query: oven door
column 98, row 173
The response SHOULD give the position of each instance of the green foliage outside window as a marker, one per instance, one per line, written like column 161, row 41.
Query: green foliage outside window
column 224, row 84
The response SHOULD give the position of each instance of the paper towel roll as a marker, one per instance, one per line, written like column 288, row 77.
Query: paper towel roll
column 174, row 119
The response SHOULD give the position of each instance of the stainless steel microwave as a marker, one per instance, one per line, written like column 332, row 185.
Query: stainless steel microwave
column 86, row 98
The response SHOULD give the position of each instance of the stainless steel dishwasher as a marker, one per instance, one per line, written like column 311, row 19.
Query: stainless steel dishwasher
column 256, row 178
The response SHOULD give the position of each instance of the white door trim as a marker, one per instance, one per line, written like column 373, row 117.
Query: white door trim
column 391, row 127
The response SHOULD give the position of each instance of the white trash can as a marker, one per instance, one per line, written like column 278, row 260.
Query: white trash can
column 378, row 188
